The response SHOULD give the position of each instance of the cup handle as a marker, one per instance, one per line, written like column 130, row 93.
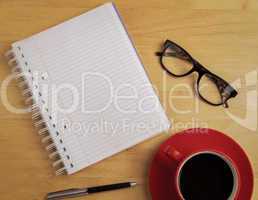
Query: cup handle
column 173, row 154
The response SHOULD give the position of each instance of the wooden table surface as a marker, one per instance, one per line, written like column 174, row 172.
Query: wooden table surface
column 222, row 35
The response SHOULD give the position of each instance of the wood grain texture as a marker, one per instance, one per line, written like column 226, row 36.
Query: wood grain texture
column 222, row 35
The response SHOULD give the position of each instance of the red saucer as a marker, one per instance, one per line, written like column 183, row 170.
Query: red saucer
column 189, row 142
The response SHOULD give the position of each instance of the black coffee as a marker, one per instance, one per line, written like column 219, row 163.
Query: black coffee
column 206, row 177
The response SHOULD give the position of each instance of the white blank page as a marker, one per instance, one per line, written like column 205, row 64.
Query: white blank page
column 99, row 99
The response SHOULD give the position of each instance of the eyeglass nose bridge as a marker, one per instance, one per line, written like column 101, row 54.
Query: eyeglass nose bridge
column 200, row 68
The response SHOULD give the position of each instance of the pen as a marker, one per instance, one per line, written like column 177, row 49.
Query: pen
column 76, row 192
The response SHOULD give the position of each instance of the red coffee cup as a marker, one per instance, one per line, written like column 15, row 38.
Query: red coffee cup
column 201, row 157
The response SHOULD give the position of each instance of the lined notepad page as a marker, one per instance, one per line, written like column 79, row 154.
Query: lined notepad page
column 94, row 94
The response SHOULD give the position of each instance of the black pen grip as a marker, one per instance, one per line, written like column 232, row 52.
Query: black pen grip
column 108, row 187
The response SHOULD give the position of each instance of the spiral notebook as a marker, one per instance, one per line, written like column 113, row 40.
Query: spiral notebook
column 89, row 93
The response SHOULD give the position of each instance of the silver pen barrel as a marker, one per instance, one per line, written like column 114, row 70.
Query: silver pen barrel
column 66, row 194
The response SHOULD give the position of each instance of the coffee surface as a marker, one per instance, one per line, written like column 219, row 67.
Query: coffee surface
column 206, row 177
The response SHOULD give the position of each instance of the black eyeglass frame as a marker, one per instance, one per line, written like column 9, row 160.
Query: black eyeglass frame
column 225, row 89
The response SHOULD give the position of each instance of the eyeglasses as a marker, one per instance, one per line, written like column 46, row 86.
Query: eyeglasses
column 211, row 88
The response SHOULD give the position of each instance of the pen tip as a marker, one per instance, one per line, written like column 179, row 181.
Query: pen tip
column 133, row 183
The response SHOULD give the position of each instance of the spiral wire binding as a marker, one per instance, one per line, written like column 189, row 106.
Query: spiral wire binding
column 39, row 122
